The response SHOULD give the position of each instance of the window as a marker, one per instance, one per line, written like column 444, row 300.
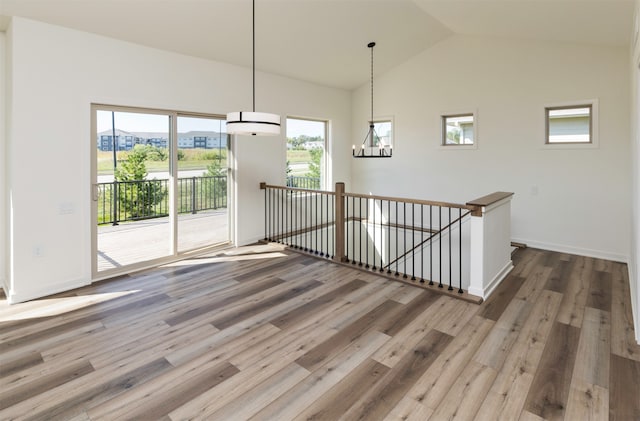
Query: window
column 569, row 124
column 306, row 153
column 384, row 133
column 458, row 130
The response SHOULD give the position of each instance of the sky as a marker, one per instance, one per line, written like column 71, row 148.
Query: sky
column 138, row 122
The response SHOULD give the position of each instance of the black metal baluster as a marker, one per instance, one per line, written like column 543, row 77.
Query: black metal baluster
column 315, row 227
column 450, row 251
column 381, row 238
column 373, row 236
column 305, row 221
column 265, row 214
column 413, row 242
column 276, row 215
column 366, row 234
column 360, row 219
column 404, row 229
column 430, row 245
column 460, row 250
column 440, row 245
column 346, row 228
column 422, row 243
column 388, row 236
column 397, row 227
column 321, row 250
column 353, row 231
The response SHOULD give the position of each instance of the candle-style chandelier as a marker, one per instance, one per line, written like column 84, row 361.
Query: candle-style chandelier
column 372, row 146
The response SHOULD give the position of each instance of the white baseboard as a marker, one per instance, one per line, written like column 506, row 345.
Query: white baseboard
column 20, row 297
column 485, row 292
column 598, row 254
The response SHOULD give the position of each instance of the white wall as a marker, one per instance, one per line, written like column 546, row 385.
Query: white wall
column 634, row 274
column 3, row 232
column 573, row 200
column 54, row 83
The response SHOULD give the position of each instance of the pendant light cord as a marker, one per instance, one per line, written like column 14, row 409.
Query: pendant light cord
column 371, row 46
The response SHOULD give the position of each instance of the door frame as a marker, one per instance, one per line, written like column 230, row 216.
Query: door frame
column 174, row 254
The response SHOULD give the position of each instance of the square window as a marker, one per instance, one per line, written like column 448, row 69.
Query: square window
column 383, row 133
column 458, row 130
column 569, row 125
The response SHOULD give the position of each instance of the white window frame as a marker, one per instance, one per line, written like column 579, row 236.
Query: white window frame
column 325, row 179
column 594, row 126
column 443, row 131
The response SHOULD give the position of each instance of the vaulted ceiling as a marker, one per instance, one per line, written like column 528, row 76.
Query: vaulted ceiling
column 325, row 41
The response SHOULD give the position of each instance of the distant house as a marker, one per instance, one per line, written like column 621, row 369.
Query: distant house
column 126, row 141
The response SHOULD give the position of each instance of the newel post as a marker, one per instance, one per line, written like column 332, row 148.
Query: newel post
column 490, row 242
column 339, row 223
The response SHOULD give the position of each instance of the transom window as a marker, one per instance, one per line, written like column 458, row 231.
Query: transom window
column 458, row 130
column 571, row 124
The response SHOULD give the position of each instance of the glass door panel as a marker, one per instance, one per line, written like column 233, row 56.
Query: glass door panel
column 132, row 189
column 203, row 217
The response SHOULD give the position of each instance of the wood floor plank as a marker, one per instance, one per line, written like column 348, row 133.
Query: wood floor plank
column 164, row 400
column 316, row 356
column 507, row 395
column 600, row 291
column 222, row 302
column 592, row 359
column 624, row 384
column 245, row 312
column 296, row 399
column 22, row 362
column 498, row 342
column 384, row 396
column 409, row 410
column 407, row 338
column 587, row 402
column 11, row 396
column 73, row 398
column 467, row 393
column 345, row 393
column 549, row 391
column 497, row 302
column 254, row 400
column 576, row 292
column 431, row 389
column 289, row 318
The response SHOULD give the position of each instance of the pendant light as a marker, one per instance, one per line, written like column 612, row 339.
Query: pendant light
column 368, row 148
column 252, row 122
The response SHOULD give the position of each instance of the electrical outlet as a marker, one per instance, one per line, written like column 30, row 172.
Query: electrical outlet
column 38, row 251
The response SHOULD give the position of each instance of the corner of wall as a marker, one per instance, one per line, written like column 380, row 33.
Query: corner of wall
column 3, row 163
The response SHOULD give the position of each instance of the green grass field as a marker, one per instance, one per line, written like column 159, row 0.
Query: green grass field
column 194, row 159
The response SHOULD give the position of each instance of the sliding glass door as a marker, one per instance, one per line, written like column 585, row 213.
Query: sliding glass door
column 159, row 186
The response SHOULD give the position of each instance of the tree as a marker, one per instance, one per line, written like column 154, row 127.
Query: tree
column 217, row 184
column 314, row 165
column 136, row 195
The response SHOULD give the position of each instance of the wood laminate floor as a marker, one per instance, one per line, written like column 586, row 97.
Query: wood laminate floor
column 274, row 335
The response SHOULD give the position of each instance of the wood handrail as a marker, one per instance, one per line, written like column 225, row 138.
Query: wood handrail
column 490, row 199
column 265, row 186
column 414, row 201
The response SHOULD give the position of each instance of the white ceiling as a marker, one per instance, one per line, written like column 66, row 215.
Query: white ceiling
column 325, row 41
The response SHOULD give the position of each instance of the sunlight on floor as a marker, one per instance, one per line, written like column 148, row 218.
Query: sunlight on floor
column 48, row 307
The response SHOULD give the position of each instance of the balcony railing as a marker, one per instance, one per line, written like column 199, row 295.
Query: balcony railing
column 312, row 183
column 120, row 201
column 416, row 241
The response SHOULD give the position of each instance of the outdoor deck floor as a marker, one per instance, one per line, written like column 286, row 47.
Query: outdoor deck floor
column 134, row 242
